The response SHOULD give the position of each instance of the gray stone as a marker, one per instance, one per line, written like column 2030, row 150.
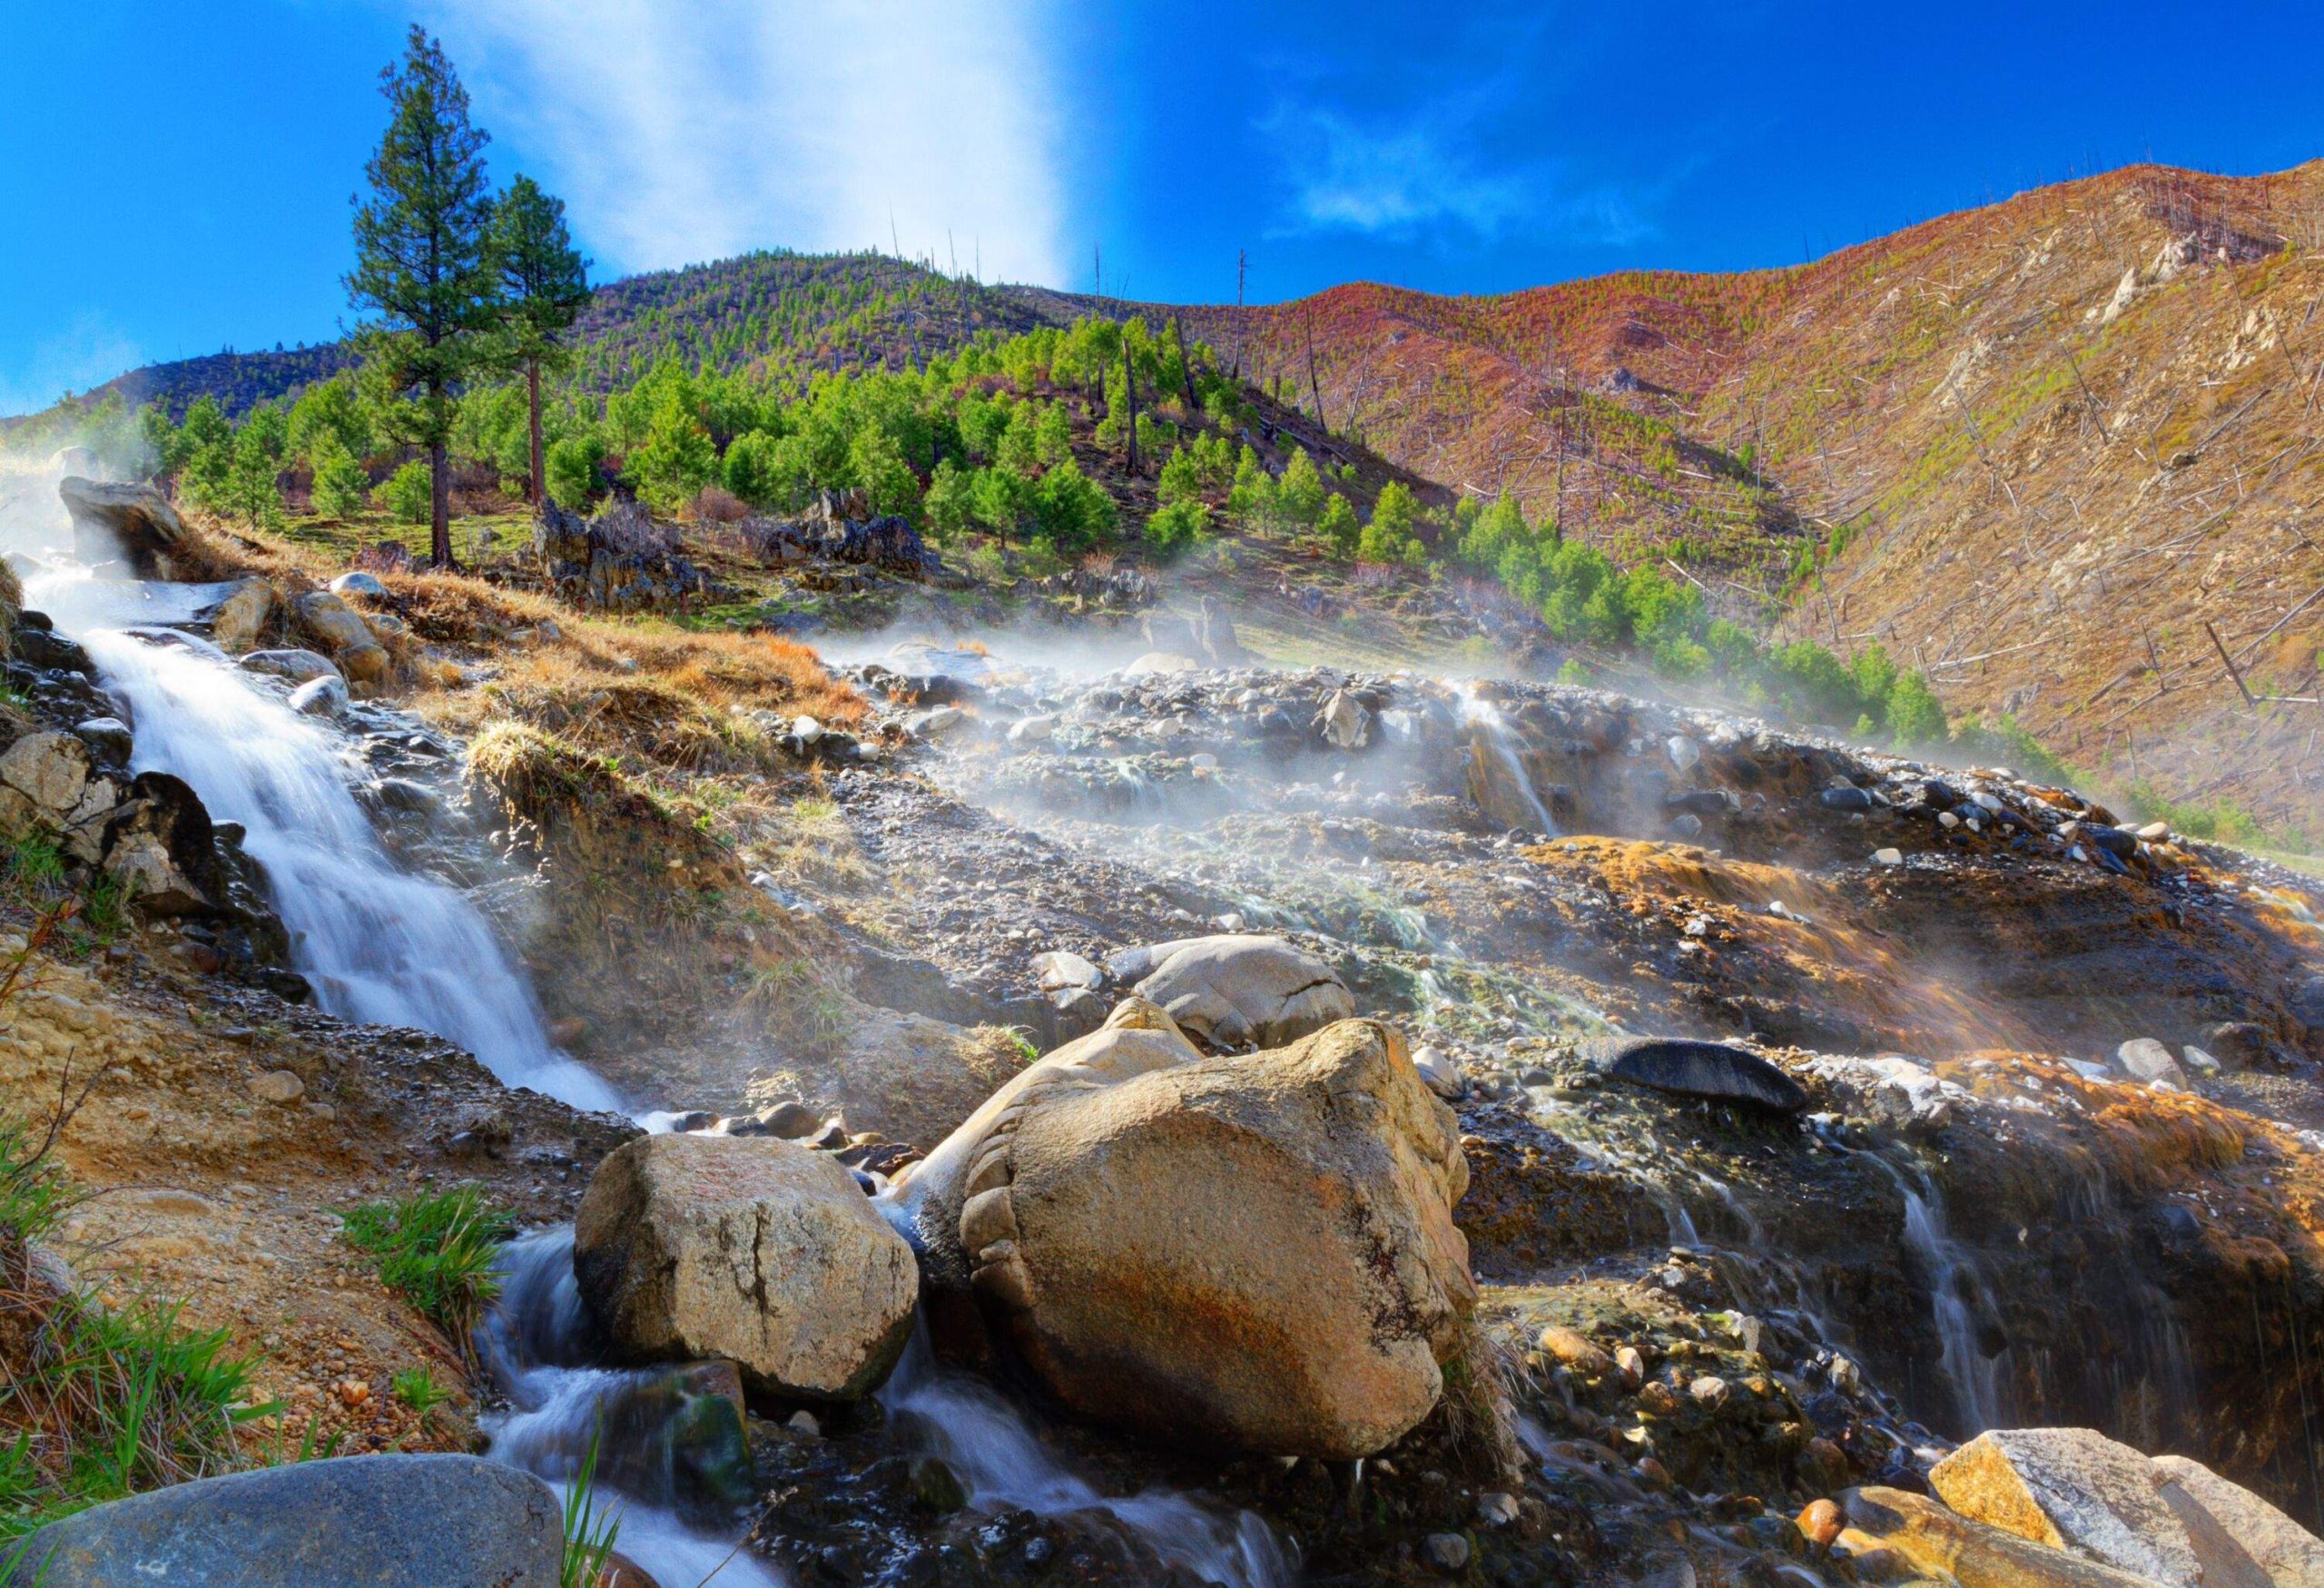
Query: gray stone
column 236, row 622
column 108, row 736
column 1344, row 722
column 300, row 666
column 324, row 696
column 359, row 583
column 1701, row 1069
column 1234, row 991
column 1059, row 970
column 133, row 522
column 49, row 769
column 359, row 1522
column 2144, row 1058
column 2285, row 1552
column 1442, row 1072
column 1447, row 1552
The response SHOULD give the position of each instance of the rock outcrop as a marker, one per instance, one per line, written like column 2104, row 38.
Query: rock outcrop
column 1255, row 1250
column 620, row 561
column 131, row 523
column 750, row 1248
column 1237, row 991
column 373, row 1520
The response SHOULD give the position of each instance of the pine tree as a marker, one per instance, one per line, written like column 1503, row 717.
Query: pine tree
column 423, row 263
column 547, row 285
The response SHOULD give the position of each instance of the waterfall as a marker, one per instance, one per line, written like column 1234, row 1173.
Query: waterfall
column 1491, row 738
column 380, row 945
column 1974, row 1377
column 990, row 1447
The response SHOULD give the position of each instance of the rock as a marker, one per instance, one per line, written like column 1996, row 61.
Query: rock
column 2144, row 1058
column 2072, row 1488
column 1891, row 1089
column 2285, row 1552
column 1701, row 1069
column 297, row 666
column 1888, row 856
column 1576, row 1351
column 1447, row 1552
column 51, row 769
column 359, row 583
column 789, row 1120
column 1497, row 1508
column 1442, row 1072
column 1935, row 1542
column 1683, row 751
column 53, row 652
column 2239, row 1045
column 356, row 1521
column 1710, row 1392
column 1057, row 969
column 108, row 739
column 2305, row 1000
column 683, row 1433
column 133, row 522
column 1255, row 1249
column 325, row 696
column 279, row 1086
column 749, row 1248
column 1032, row 730
column 1160, row 662
column 1821, row 1523
column 1344, row 722
column 237, row 621
column 1234, row 990
column 936, row 722
column 335, row 624
column 365, row 664
column 1845, row 799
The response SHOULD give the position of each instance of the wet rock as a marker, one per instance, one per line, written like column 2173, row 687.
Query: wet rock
column 1701, row 1069
column 299, row 666
column 679, row 1437
column 237, row 621
column 1237, row 991
column 2286, row 1554
column 2072, row 1488
column 2144, row 1058
column 749, row 1248
column 324, row 696
column 45, row 648
column 134, row 523
column 359, row 1522
column 1442, row 1072
column 1256, row 1249
column 1891, row 1089
column 108, row 738
column 1845, row 799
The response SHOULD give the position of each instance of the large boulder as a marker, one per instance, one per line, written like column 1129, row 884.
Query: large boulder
column 1711, row 1071
column 1257, row 1251
column 47, row 772
column 342, row 632
column 1924, row 1539
column 1237, row 991
column 745, row 1248
column 238, row 620
column 2286, row 1554
column 297, row 666
column 360, row 1522
column 134, row 523
column 2074, row 1488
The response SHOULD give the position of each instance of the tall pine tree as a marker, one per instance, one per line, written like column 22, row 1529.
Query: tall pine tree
column 423, row 263
column 546, row 285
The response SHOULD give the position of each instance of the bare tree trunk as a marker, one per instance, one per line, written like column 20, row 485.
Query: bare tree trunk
column 1314, row 385
column 540, row 472
column 1129, row 405
column 440, row 505
column 1186, row 368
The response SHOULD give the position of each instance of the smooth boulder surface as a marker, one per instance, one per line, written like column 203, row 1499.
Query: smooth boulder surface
column 344, row 634
column 1928, row 1538
column 1256, row 1249
column 746, row 1247
column 2072, row 1488
column 2283, row 1552
column 1237, row 991
column 1698, row 1069
column 237, row 621
column 356, row 1521
column 297, row 666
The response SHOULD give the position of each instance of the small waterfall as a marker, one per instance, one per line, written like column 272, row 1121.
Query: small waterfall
column 380, row 945
column 536, row 1349
column 993, row 1452
column 1491, row 738
column 1974, row 1377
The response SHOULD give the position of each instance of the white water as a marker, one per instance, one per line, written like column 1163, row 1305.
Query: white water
column 1491, row 734
column 380, row 945
column 532, row 1348
column 994, row 1454
column 1974, row 1377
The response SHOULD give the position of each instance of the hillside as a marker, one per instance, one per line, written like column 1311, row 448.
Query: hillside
column 2048, row 439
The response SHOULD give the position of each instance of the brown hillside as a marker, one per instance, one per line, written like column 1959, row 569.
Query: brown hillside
column 2049, row 494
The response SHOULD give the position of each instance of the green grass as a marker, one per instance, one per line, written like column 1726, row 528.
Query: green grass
column 589, row 1532
column 436, row 1250
column 417, row 1388
column 103, row 1401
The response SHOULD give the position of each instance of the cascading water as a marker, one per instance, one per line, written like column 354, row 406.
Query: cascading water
column 380, row 945
column 1974, row 1377
column 993, row 1453
column 1489, row 734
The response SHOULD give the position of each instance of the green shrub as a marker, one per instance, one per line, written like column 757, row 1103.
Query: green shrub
column 408, row 496
column 1176, row 526
column 572, row 466
column 341, row 488
column 436, row 1250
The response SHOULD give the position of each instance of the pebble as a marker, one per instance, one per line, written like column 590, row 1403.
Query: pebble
column 1888, row 856
column 1710, row 1392
column 1821, row 1522
column 1496, row 1509
column 1632, row 1366
column 802, row 1423
column 279, row 1086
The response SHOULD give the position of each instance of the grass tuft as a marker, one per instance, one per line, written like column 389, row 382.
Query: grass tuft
column 436, row 1250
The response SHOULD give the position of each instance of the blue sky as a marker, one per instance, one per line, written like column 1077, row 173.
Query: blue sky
column 176, row 177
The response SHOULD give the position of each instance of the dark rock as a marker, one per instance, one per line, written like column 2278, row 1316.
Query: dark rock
column 2305, row 1002
column 2239, row 1045
column 108, row 739
column 372, row 1521
column 1845, row 799
column 1692, row 1069
column 2111, row 841
column 43, row 648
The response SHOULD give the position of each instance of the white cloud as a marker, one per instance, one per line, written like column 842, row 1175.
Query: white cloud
column 682, row 133
column 88, row 352
column 1419, row 175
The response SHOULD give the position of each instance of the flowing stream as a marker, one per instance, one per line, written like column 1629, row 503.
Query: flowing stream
column 385, row 945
